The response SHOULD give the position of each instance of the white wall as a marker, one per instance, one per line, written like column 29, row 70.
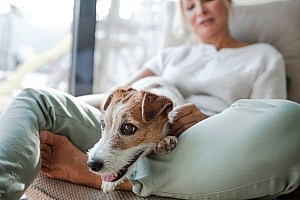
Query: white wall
column 247, row 2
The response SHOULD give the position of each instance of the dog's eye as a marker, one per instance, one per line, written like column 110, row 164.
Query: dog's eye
column 102, row 124
column 128, row 129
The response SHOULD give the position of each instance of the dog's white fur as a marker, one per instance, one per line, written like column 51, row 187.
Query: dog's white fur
column 117, row 151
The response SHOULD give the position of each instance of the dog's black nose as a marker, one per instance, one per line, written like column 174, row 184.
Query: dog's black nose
column 95, row 165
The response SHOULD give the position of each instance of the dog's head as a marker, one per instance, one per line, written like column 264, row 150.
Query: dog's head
column 132, row 126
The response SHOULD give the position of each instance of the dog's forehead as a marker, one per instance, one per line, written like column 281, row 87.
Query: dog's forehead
column 130, row 105
column 129, row 96
column 125, row 105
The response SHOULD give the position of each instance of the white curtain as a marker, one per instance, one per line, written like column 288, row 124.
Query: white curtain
column 127, row 35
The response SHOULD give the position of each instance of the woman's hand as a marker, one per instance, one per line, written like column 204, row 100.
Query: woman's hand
column 187, row 116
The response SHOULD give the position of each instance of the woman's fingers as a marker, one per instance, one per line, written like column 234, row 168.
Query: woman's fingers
column 187, row 116
column 183, row 110
column 177, row 130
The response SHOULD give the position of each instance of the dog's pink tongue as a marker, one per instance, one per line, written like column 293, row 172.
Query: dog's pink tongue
column 108, row 177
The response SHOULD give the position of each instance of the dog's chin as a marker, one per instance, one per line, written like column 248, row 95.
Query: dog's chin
column 115, row 176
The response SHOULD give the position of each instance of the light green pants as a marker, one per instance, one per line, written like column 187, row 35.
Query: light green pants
column 250, row 150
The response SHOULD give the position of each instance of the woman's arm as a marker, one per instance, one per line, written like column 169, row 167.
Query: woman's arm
column 97, row 100
column 139, row 75
column 271, row 82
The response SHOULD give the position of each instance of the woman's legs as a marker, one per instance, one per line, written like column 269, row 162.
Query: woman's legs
column 250, row 150
column 29, row 113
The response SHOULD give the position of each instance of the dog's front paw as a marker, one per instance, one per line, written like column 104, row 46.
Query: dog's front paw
column 109, row 186
column 166, row 145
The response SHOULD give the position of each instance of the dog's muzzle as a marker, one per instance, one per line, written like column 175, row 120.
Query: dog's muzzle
column 97, row 165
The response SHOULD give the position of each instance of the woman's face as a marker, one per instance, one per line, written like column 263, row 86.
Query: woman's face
column 208, row 18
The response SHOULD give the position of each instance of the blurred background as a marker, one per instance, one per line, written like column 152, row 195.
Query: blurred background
column 78, row 46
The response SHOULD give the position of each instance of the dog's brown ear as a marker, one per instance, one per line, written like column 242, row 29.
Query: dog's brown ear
column 120, row 92
column 107, row 102
column 154, row 105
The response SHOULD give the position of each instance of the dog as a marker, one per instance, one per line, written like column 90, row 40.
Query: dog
column 134, row 125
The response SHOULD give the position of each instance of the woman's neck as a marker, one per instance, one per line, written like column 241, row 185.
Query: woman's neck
column 224, row 41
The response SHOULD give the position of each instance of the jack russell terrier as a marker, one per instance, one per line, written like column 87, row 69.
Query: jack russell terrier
column 134, row 125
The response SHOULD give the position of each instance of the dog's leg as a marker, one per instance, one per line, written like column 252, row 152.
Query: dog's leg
column 166, row 145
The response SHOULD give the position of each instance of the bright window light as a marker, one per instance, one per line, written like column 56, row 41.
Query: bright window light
column 102, row 9
column 126, row 9
column 47, row 12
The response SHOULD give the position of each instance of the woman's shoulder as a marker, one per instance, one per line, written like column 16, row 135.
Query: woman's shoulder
column 267, row 54
column 258, row 51
column 263, row 48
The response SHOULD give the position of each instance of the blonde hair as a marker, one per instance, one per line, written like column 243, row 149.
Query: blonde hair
column 181, row 30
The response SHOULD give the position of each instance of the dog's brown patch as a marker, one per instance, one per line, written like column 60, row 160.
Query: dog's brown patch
column 117, row 95
column 148, row 112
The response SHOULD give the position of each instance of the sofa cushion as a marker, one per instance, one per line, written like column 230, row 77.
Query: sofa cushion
column 44, row 188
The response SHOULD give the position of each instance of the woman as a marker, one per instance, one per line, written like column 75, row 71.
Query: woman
column 250, row 150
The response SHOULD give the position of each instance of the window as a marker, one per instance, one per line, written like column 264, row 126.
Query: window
column 127, row 35
column 35, row 44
